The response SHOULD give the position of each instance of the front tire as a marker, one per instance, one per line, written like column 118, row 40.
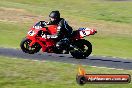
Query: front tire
column 81, row 49
column 27, row 49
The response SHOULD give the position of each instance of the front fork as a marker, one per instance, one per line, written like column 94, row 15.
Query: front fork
column 44, row 47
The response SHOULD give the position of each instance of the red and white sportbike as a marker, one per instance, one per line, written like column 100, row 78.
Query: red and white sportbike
column 41, row 36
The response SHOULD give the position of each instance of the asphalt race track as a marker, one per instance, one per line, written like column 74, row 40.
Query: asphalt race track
column 67, row 58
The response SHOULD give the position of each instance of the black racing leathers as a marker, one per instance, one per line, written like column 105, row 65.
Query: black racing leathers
column 63, row 29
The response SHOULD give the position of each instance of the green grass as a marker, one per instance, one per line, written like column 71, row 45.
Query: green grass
column 18, row 73
column 80, row 9
column 112, row 19
column 11, row 34
column 112, row 46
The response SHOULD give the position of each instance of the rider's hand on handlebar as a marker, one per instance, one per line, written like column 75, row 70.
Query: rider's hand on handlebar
column 49, row 36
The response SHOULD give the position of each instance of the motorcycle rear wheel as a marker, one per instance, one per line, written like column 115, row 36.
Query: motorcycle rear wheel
column 27, row 49
column 81, row 49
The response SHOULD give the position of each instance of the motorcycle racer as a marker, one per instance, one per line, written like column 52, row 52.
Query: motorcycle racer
column 63, row 30
column 42, row 36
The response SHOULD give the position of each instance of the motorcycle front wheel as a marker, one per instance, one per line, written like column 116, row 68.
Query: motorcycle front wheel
column 27, row 49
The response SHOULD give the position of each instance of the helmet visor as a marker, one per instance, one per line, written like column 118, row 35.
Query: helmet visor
column 52, row 19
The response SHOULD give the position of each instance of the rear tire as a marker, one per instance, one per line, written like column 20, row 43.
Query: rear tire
column 79, row 51
column 27, row 49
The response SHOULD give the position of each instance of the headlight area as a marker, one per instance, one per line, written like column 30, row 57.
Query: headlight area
column 31, row 33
